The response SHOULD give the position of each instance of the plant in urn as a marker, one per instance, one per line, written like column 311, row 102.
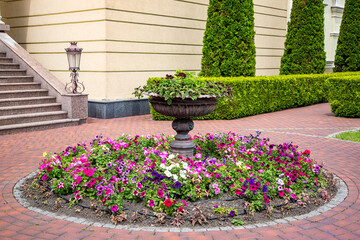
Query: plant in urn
column 183, row 96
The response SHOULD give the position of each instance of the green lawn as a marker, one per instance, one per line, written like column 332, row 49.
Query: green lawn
column 350, row 136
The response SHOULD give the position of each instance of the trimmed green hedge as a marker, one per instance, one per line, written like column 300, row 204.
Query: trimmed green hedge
column 344, row 95
column 256, row 95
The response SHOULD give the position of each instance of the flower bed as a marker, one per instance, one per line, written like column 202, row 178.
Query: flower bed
column 141, row 169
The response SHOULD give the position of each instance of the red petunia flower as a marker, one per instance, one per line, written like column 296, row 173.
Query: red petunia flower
column 306, row 151
column 168, row 202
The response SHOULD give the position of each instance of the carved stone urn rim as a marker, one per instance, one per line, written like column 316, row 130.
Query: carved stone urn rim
column 151, row 94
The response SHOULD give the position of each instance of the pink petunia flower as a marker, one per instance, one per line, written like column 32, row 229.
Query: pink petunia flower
column 151, row 203
column 114, row 208
column 89, row 172
column 160, row 193
column 60, row 185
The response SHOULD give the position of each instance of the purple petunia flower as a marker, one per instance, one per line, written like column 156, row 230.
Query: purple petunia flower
column 232, row 213
column 169, row 76
column 177, row 184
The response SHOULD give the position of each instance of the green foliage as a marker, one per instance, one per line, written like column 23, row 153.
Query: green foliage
column 344, row 95
column 349, row 136
column 229, row 47
column 262, row 94
column 182, row 85
column 237, row 222
column 304, row 45
column 348, row 48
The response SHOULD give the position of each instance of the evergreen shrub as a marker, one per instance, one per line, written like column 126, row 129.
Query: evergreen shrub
column 344, row 95
column 347, row 56
column 304, row 45
column 229, row 47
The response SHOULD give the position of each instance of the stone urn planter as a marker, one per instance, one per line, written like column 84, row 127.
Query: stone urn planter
column 183, row 110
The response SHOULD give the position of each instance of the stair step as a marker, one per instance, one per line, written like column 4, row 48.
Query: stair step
column 14, row 110
column 36, row 126
column 23, row 93
column 19, row 86
column 6, row 60
column 12, row 72
column 16, row 79
column 2, row 54
column 32, row 117
column 9, row 66
column 26, row 101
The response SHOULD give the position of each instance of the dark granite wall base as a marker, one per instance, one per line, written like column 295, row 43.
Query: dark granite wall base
column 118, row 108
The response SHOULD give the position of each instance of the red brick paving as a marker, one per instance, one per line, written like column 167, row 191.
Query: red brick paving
column 306, row 127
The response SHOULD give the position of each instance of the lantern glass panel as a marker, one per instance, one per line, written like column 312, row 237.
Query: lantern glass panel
column 77, row 60
column 72, row 60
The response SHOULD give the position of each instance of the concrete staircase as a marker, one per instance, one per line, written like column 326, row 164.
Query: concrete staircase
column 24, row 105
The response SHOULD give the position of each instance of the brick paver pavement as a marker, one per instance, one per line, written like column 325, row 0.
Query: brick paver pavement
column 307, row 127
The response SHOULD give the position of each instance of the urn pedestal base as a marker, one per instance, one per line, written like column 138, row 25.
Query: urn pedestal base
column 182, row 143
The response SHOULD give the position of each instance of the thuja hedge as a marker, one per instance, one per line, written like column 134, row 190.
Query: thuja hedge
column 229, row 45
column 344, row 95
column 348, row 48
column 256, row 95
column 304, row 45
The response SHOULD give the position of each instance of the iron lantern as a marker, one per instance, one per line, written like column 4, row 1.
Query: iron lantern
column 73, row 55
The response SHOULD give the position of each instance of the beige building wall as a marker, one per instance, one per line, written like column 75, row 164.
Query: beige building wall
column 126, row 42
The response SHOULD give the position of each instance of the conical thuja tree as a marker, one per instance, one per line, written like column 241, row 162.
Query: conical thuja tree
column 229, row 47
column 304, row 45
column 347, row 56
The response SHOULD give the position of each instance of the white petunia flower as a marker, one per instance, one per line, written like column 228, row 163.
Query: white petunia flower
column 168, row 173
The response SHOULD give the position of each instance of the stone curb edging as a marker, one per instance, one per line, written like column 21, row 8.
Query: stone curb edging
column 336, row 200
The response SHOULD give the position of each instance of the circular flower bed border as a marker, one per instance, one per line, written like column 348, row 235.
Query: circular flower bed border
column 141, row 169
